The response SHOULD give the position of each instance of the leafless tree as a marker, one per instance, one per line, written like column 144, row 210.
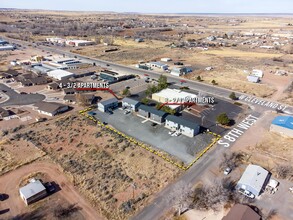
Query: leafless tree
column 284, row 171
column 180, row 197
column 231, row 160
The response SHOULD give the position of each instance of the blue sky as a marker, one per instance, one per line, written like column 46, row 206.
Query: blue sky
column 157, row 6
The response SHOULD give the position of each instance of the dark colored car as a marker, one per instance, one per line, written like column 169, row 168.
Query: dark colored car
column 50, row 187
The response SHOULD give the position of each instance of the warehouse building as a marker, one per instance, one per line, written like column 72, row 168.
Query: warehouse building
column 79, row 43
column 60, row 74
column 187, row 128
column 283, row 125
column 108, row 105
column 152, row 114
column 130, row 103
column 32, row 192
column 254, row 179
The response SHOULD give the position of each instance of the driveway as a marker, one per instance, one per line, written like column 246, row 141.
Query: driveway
column 9, row 184
column 19, row 99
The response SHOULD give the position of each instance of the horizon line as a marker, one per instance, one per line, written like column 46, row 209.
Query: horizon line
column 159, row 13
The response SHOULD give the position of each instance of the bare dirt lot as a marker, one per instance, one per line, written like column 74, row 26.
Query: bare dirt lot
column 10, row 184
column 110, row 172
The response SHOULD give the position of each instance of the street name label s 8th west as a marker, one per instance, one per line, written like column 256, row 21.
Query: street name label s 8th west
column 236, row 132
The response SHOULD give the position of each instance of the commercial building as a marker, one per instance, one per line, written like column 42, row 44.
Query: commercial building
column 241, row 212
column 32, row 192
column 254, row 79
column 112, row 77
column 254, row 179
column 130, row 103
column 79, row 43
column 108, row 105
column 152, row 114
column 283, row 125
column 158, row 65
column 179, row 71
column 50, row 108
column 60, row 74
column 173, row 96
column 185, row 127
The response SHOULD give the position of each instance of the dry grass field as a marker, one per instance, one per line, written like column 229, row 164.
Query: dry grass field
column 117, row 177
column 14, row 154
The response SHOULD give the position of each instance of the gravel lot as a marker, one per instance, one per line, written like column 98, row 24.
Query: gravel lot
column 182, row 147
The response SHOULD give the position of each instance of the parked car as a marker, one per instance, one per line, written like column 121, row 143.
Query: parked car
column 227, row 170
column 127, row 111
column 49, row 187
column 171, row 132
column 176, row 134
column 247, row 193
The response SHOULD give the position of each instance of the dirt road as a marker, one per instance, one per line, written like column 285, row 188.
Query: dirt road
column 9, row 184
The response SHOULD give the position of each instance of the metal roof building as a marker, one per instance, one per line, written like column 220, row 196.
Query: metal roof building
column 283, row 125
column 133, row 104
column 32, row 192
column 152, row 114
column 60, row 74
column 106, row 105
column 254, row 179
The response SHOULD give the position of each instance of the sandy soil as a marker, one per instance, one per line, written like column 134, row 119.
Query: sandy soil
column 9, row 185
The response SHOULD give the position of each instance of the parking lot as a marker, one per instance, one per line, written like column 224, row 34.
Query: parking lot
column 182, row 147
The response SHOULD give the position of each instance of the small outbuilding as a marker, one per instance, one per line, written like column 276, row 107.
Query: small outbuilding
column 254, row 79
column 32, row 192
column 283, row 125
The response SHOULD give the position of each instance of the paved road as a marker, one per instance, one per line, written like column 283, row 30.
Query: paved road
column 9, row 183
column 198, row 86
column 19, row 99
column 193, row 175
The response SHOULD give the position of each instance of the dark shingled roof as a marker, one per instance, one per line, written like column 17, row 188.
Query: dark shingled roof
column 130, row 101
column 182, row 121
column 152, row 110
column 49, row 107
column 241, row 212
column 109, row 101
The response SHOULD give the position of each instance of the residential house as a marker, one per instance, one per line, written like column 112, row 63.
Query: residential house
column 51, row 108
column 254, row 179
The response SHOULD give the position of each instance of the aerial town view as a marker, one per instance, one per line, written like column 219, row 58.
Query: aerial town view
column 146, row 110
